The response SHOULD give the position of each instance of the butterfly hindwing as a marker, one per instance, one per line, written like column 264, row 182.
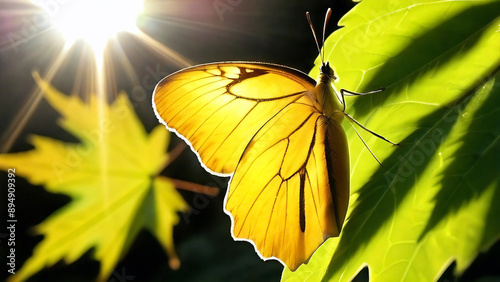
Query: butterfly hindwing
column 219, row 107
column 291, row 187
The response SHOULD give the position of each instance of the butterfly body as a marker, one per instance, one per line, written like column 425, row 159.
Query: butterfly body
column 328, row 96
column 277, row 132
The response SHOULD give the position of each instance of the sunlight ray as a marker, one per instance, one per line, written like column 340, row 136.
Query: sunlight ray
column 164, row 51
column 24, row 114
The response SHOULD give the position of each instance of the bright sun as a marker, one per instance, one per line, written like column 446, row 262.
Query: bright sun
column 95, row 22
column 92, row 20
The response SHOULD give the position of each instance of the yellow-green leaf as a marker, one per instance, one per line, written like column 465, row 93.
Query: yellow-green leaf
column 435, row 200
column 111, row 176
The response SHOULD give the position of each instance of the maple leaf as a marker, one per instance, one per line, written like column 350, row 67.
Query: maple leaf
column 111, row 177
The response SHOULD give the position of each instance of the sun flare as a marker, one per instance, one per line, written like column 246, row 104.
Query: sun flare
column 92, row 20
column 88, row 29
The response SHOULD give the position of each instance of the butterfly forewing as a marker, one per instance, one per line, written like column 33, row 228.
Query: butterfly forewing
column 219, row 107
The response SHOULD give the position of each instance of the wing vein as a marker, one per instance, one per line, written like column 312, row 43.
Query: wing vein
column 253, row 203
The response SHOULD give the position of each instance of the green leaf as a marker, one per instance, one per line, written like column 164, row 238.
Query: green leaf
column 111, row 177
column 435, row 200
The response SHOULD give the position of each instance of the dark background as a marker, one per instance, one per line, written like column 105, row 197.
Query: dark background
column 255, row 30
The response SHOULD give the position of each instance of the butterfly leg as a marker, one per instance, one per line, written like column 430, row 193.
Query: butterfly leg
column 351, row 119
column 351, row 93
column 345, row 92
column 355, row 130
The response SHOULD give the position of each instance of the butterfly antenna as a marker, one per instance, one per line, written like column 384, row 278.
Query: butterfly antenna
column 327, row 19
column 314, row 34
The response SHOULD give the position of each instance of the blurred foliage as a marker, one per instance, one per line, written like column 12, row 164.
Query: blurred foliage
column 111, row 177
column 435, row 199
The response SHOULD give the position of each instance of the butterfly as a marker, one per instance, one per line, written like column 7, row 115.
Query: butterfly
column 277, row 132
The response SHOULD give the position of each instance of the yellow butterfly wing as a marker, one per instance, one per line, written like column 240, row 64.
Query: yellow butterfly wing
column 290, row 187
column 219, row 107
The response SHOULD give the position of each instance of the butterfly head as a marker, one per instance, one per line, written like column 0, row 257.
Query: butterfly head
column 327, row 71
